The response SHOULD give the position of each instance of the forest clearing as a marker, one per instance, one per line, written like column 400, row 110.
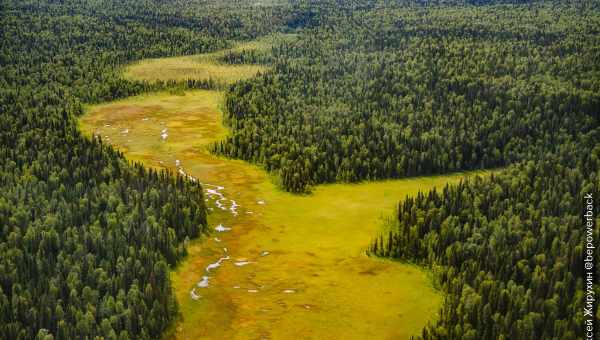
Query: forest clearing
column 316, row 269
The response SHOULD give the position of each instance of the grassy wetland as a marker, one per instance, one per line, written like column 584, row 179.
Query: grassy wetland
column 203, row 66
column 277, row 265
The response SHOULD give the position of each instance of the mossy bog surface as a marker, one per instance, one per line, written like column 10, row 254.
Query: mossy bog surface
column 294, row 265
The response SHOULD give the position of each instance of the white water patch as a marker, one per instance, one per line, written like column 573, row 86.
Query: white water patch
column 217, row 239
column 219, row 204
column 193, row 294
column 126, row 131
column 204, row 282
column 261, row 202
column 242, row 263
column 217, row 187
column 220, row 228
column 264, row 253
column 212, row 192
column 189, row 177
column 182, row 172
column 234, row 207
column 252, row 290
column 164, row 134
column 213, row 266
column 216, row 264
column 289, row 291
column 145, row 119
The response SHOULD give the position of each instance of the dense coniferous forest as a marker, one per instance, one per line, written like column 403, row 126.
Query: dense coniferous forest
column 389, row 93
column 507, row 250
column 367, row 90
column 86, row 238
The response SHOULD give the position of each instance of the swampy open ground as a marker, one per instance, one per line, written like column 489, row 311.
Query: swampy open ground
column 203, row 66
column 293, row 266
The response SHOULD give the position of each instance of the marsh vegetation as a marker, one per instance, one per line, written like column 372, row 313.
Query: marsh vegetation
column 315, row 269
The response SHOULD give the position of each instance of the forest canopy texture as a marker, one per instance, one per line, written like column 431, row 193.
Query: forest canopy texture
column 367, row 90
column 396, row 92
